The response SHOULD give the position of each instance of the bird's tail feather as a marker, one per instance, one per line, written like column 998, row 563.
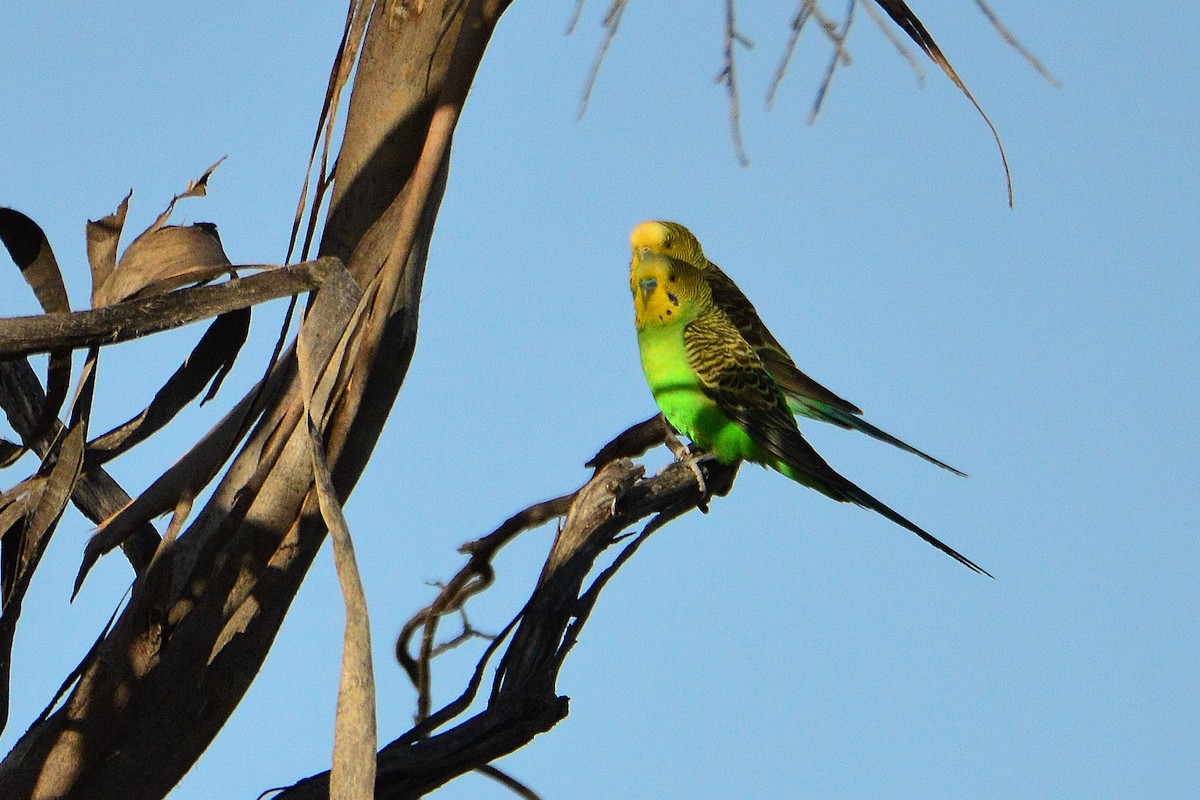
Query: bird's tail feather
column 832, row 484
column 827, row 413
column 859, row 497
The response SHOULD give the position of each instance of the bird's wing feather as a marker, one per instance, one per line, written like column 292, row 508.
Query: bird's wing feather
column 733, row 376
column 806, row 395
column 741, row 312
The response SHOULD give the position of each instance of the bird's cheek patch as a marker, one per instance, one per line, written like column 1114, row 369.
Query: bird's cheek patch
column 674, row 300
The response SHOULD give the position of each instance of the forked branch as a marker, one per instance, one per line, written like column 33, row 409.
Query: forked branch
column 523, row 700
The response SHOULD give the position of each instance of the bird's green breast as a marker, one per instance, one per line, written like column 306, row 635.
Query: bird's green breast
column 674, row 384
column 681, row 397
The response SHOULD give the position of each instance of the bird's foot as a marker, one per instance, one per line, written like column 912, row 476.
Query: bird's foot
column 692, row 462
column 686, row 455
column 681, row 451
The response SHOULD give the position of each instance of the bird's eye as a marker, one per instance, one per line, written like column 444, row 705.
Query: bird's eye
column 671, row 277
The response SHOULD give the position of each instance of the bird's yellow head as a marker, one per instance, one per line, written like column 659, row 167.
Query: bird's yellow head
column 666, row 290
column 669, row 239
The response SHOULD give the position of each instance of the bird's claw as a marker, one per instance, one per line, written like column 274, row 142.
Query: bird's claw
column 685, row 455
column 681, row 451
column 693, row 462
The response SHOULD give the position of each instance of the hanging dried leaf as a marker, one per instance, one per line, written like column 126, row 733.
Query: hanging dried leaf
column 196, row 188
column 31, row 252
column 16, row 506
column 22, row 548
column 903, row 16
column 103, row 237
column 155, row 261
column 166, row 258
column 10, row 452
column 208, row 362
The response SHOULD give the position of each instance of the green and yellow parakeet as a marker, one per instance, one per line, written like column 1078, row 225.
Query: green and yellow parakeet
column 714, row 386
column 804, row 395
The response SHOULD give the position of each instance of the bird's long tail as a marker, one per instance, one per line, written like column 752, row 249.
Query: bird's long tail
column 832, row 484
column 861, row 498
column 824, row 412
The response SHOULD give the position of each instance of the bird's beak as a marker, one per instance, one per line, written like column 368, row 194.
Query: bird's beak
column 647, row 285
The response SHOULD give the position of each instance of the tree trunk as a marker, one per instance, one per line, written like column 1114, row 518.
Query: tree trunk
column 162, row 682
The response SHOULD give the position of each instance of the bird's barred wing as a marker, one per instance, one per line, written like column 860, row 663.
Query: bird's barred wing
column 733, row 376
column 805, row 395
column 741, row 312
column 726, row 364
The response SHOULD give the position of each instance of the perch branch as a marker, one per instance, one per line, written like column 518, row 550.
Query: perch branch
column 523, row 701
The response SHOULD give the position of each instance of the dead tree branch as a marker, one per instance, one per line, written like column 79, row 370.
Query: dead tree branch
column 524, row 699
column 132, row 319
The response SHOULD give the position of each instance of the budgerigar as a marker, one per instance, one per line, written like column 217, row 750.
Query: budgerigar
column 804, row 395
column 713, row 387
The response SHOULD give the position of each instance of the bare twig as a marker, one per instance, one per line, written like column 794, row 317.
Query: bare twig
column 1012, row 41
column 840, row 55
column 467, row 633
column 612, row 21
column 728, row 76
column 897, row 42
column 789, row 49
column 473, row 578
column 575, row 15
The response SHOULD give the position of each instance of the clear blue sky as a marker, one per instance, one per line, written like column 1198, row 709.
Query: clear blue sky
column 782, row 645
